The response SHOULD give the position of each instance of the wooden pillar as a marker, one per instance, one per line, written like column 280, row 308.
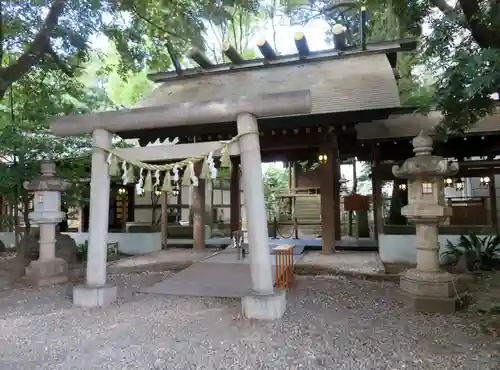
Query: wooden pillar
column 235, row 195
column 198, row 212
column 493, row 201
column 164, row 219
column 179, row 203
column 336, row 188
column 327, row 191
column 377, row 195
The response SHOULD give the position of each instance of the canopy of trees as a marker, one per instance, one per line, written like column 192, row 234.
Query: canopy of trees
column 460, row 47
column 146, row 33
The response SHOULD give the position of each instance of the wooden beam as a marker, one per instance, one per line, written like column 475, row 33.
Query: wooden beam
column 233, row 54
column 301, row 44
column 327, row 191
column 266, row 50
column 200, row 58
column 279, row 141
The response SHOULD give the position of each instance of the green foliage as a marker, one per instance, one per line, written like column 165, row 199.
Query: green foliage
column 485, row 251
column 275, row 182
column 25, row 139
column 82, row 251
column 57, row 34
column 103, row 72
column 237, row 28
column 460, row 51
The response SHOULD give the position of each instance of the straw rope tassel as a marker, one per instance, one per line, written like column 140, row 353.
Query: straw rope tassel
column 114, row 165
column 130, row 174
column 205, row 172
column 186, row 177
column 148, row 182
column 167, row 183
column 225, row 160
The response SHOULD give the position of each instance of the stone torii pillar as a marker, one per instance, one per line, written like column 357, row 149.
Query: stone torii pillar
column 263, row 302
column 48, row 269
column 428, row 288
column 95, row 292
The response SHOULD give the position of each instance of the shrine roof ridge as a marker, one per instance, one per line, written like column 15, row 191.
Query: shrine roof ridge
column 387, row 47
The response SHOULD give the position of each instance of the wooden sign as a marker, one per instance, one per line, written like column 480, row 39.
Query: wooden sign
column 356, row 203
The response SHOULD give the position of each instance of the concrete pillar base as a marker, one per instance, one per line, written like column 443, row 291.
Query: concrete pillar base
column 264, row 307
column 432, row 292
column 47, row 272
column 88, row 296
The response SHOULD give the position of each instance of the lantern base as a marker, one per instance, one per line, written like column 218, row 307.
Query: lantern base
column 432, row 292
column 48, row 272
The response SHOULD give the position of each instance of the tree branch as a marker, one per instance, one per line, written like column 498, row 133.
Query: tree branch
column 484, row 36
column 67, row 70
column 151, row 23
column 36, row 50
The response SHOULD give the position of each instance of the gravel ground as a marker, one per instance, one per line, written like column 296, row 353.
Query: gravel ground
column 339, row 323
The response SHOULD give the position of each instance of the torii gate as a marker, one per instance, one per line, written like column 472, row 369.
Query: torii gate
column 265, row 302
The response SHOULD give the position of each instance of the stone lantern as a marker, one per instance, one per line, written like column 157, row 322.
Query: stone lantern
column 427, row 286
column 47, row 214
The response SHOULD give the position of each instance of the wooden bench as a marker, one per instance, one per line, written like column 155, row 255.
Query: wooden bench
column 284, row 265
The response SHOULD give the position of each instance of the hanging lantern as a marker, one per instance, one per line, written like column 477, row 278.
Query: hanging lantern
column 484, row 181
column 323, row 158
column 122, row 191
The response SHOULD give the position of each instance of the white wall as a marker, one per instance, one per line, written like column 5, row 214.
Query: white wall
column 403, row 249
column 128, row 243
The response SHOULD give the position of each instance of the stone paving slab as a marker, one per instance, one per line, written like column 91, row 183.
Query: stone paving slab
column 165, row 259
column 221, row 280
